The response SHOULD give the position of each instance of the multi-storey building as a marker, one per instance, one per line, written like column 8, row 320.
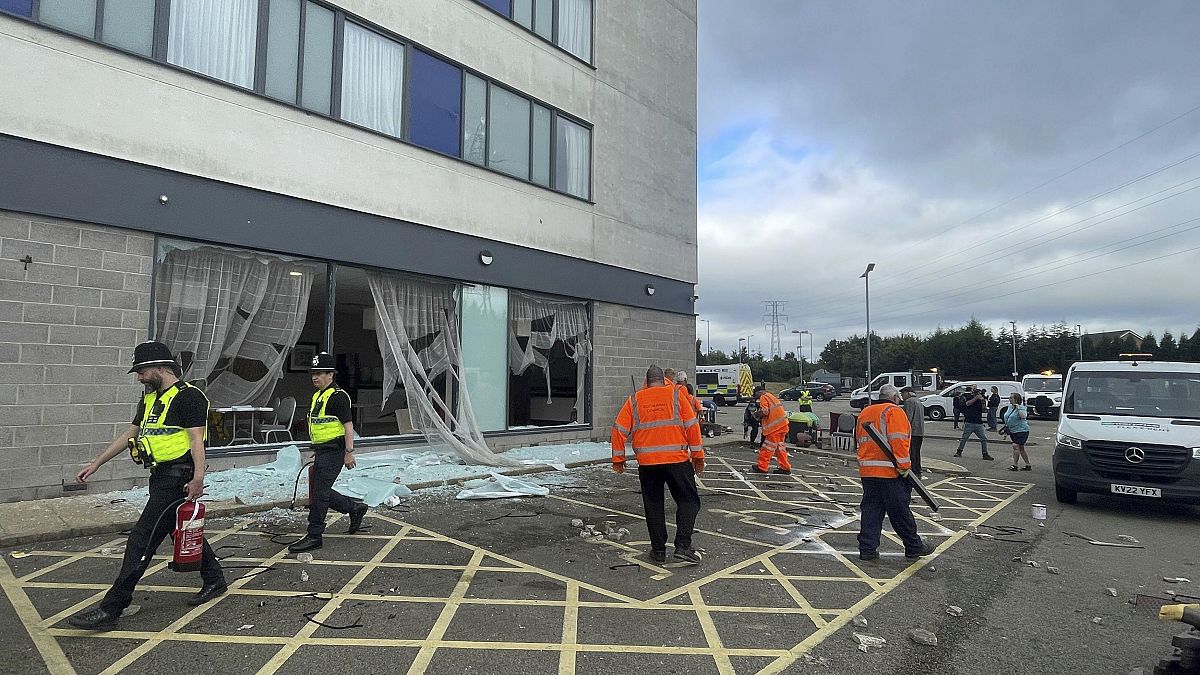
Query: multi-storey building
column 483, row 200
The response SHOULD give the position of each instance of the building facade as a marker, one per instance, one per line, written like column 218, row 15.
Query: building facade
column 486, row 209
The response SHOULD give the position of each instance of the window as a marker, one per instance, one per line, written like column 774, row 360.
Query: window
column 575, row 27
column 215, row 37
column 435, row 88
column 549, row 348
column 485, row 353
column 316, row 88
column 475, row 120
column 21, row 7
column 372, row 80
column 574, row 19
column 541, row 145
column 283, row 50
column 76, row 16
column 572, row 163
column 508, row 130
column 129, row 25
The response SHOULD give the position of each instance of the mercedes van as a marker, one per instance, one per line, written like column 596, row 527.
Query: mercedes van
column 1130, row 427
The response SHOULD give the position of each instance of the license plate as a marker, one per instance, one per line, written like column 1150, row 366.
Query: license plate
column 1135, row 490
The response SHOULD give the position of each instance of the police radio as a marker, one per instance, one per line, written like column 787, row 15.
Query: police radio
column 140, row 453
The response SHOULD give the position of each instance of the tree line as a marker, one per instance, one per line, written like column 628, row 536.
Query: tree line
column 970, row 351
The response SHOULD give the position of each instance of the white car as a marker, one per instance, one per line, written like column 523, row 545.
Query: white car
column 939, row 406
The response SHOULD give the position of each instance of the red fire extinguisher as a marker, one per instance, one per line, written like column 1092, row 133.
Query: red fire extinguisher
column 189, row 536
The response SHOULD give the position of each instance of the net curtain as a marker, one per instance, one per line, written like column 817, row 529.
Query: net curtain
column 567, row 323
column 417, row 329
column 231, row 317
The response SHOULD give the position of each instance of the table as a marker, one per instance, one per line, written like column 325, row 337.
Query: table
column 234, row 411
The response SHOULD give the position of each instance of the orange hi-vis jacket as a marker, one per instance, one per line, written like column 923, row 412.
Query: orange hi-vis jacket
column 772, row 414
column 661, row 425
column 891, row 423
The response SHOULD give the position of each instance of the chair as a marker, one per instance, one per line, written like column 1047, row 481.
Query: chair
column 285, row 411
column 843, row 437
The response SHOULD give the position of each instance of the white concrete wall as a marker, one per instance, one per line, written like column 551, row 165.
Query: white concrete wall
column 641, row 98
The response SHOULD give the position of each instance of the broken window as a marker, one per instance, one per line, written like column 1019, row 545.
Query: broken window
column 549, row 348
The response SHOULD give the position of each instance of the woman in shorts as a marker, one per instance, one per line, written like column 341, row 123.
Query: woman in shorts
column 1016, row 424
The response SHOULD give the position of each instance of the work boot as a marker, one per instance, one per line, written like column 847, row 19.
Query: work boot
column 926, row 549
column 356, row 517
column 208, row 592
column 868, row 555
column 687, row 555
column 755, row 469
column 658, row 557
column 95, row 618
column 308, row 543
column 988, row 458
column 786, row 472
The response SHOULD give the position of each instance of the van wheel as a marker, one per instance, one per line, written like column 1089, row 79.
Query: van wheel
column 719, row 400
column 936, row 413
column 1065, row 496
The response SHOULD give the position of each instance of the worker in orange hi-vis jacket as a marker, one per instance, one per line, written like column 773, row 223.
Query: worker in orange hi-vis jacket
column 665, row 434
column 681, row 379
column 883, row 485
column 774, row 432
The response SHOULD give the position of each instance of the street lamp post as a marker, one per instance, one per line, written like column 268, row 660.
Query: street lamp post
column 1014, row 341
column 708, row 340
column 740, row 341
column 800, row 350
column 867, row 286
column 1079, row 332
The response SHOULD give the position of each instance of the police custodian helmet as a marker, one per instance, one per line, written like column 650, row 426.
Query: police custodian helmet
column 153, row 353
column 322, row 363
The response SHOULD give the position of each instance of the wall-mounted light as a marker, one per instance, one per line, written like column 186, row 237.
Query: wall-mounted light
column 649, row 289
column 485, row 257
column 163, row 199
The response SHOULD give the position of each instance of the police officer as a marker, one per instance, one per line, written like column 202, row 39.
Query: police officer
column 167, row 435
column 331, row 430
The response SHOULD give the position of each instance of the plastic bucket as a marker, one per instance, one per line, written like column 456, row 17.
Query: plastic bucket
column 1039, row 511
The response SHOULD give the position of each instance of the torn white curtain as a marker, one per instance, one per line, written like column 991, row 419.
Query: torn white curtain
column 417, row 329
column 231, row 317
column 568, row 323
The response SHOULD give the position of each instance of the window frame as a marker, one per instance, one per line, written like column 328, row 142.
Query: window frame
column 160, row 30
column 590, row 62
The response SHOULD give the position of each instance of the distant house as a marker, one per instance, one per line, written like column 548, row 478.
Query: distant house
column 1117, row 335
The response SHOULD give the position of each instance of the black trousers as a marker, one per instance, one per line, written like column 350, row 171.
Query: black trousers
column 914, row 453
column 327, row 466
column 167, row 487
column 681, row 479
column 886, row 496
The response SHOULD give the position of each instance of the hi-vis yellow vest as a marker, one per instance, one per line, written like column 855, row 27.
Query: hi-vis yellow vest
column 323, row 428
column 164, row 443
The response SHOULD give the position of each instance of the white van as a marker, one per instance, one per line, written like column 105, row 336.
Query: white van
column 1044, row 394
column 725, row 385
column 1130, row 428
column 939, row 406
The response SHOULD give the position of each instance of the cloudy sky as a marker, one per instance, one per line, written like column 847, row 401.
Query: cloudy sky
column 1026, row 161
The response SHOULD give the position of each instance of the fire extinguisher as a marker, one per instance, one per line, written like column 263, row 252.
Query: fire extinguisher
column 189, row 536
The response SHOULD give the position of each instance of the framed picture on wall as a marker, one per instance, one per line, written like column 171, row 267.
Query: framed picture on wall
column 301, row 358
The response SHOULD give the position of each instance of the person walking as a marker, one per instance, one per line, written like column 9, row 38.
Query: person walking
column 774, row 422
column 883, row 485
column 331, row 430
column 993, row 406
column 957, row 402
column 1016, row 424
column 750, row 424
column 972, row 410
column 665, row 436
column 916, row 422
column 167, row 436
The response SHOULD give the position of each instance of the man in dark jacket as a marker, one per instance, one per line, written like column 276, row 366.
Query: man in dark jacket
column 750, row 423
column 972, row 410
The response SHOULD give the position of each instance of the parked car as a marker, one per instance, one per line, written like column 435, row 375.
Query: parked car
column 817, row 390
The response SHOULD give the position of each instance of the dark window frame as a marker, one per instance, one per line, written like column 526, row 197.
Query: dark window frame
column 590, row 62
column 161, row 29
